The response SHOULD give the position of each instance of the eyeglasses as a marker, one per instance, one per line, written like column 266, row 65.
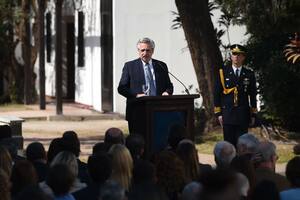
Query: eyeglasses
column 142, row 50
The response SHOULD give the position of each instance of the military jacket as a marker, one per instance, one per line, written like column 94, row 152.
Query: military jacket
column 235, row 100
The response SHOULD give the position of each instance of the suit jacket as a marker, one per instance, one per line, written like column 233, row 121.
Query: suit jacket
column 133, row 78
column 224, row 103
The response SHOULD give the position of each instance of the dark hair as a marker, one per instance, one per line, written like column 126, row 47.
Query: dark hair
column 100, row 147
column 70, row 142
column 135, row 144
column 114, row 136
column 55, row 147
column 35, row 151
column 293, row 171
column 100, row 167
column 60, row 179
column 23, row 175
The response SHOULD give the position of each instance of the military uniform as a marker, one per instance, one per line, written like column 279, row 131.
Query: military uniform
column 235, row 100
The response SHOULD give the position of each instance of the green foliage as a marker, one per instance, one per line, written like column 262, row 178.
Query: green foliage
column 269, row 24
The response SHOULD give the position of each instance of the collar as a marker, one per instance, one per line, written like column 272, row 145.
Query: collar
column 150, row 62
column 235, row 68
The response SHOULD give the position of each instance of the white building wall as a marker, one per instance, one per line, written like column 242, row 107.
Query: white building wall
column 135, row 19
column 88, row 78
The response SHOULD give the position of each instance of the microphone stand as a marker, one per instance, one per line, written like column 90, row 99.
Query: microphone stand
column 185, row 88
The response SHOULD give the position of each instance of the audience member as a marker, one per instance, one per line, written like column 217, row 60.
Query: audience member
column 265, row 162
column 112, row 190
column 55, row 147
column 176, row 133
column 4, row 185
column 247, row 144
column 69, row 159
column 187, row 152
column 60, row 179
column 293, row 175
column 265, row 190
column 136, row 145
column 144, row 185
column 23, row 175
column 224, row 152
column 71, row 143
column 36, row 154
column 32, row 193
column 122, row 165
column 100, row 169
column 99, row 148
column 113, row 136
column 191, row 191
column 243, row 165
column 242, row 185
column 170, row 174
column 219, row 184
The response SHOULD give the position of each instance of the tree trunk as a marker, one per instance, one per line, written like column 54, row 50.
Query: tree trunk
column 206, row 56
column 27, row 54
column 42, row 55
column 58, row 57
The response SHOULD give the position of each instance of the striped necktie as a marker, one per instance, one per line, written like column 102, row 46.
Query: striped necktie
column 149, row 76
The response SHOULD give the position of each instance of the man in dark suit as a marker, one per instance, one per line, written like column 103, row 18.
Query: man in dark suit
column 235, row 96
column 144, row 76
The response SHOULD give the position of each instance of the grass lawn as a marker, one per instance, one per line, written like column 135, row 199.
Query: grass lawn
column 13, row 107
column 205, row 144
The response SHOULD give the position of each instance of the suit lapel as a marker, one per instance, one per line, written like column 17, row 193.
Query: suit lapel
column 140, row 71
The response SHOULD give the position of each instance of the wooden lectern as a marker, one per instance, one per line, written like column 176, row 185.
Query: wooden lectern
column 153, row 115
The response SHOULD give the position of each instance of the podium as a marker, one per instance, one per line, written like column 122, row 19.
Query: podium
column 153, row 115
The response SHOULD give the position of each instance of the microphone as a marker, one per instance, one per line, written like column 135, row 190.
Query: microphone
column 185, row 88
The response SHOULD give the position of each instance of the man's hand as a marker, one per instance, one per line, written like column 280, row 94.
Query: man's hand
column 165, row 94
column 140, row 95
column 220, row 119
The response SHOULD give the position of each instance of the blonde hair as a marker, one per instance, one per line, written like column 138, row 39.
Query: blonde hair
column 68, row 159
column 5, row 160
column 122, row 165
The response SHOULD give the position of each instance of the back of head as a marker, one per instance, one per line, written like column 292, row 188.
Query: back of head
column 66, row 158
column 111, row 190
column 23, row 175
column 35, row 151
column 11, row 146
column 55, row 147
column 219, row 184
column 247, row 143
column 293, row 171
column 100, row 147
column 224, row 152
column 114, row 136
column 70, row 142
column 177, row 132
column 100, row 167
column 265, row 153
column 60, row 179
column 135, row 144
column 192, row 191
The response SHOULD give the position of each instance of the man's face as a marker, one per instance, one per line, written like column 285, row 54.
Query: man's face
column 145, row 51
column 237, row 59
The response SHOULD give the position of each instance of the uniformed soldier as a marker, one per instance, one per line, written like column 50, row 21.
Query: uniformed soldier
column 235, row 96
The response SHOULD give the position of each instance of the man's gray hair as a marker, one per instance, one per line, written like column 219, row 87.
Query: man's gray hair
column 266, row 150
column 147, row 41
column 247, row 143
column 224, row 153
